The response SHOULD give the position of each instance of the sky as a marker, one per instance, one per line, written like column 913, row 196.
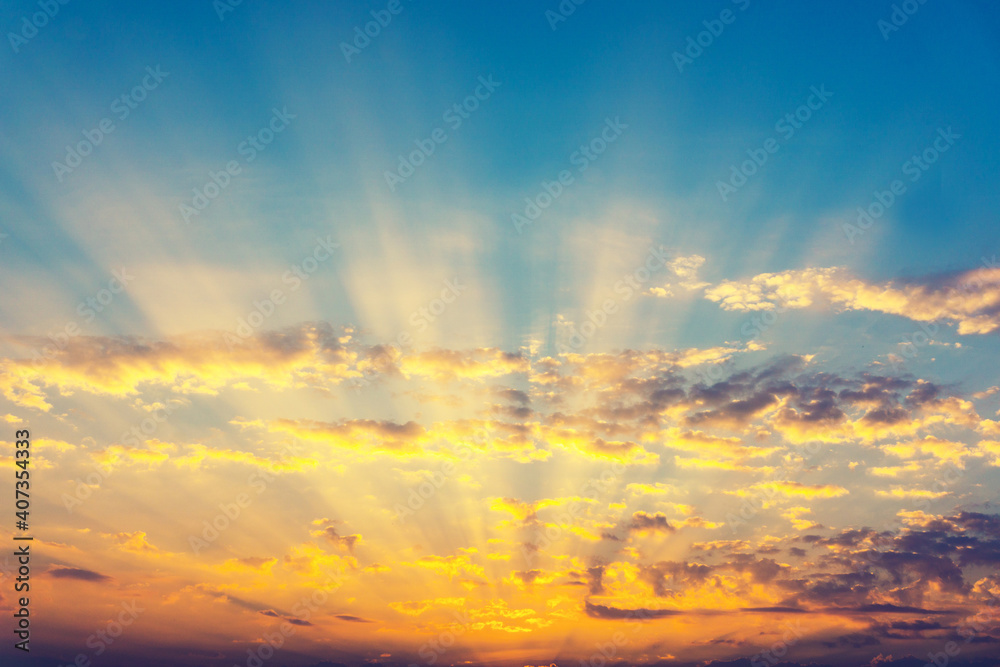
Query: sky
column 515, row 334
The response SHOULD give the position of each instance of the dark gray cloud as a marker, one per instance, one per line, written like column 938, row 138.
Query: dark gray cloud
column 77, row 573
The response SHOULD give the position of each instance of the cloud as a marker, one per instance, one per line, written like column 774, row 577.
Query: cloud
column 794, row 514
column 650, row 523
column 885, row 609
column 793, row 490
column 361, row 434
column 685, row 269
column 899, row 492
column 615, row 613
column 654, row 438
column 527, row 512
column 135, row 543
column 328, row 530
column 970, row 299
column 700, row 442
column 446, row 365
column 273, row 614
column 77, row 574
column 937, row 448
column 122, row 366
column 737, row 413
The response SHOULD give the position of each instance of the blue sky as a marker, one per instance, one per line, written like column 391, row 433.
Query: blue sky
column 353, row 119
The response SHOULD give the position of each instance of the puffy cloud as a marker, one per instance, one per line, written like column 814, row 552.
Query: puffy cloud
column 642, row 522
column 327, row 528
column 970, row 299
column 794, row 514
column 936, row 448
column 685, row 269
column 123, row 366
column 639, row 442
